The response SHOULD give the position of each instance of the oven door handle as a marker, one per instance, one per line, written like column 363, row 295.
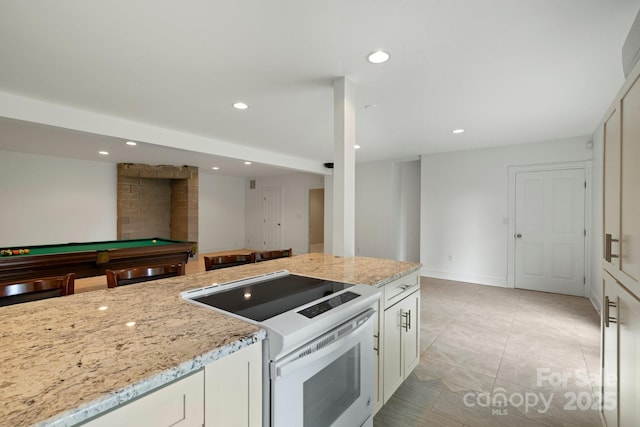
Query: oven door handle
column 299, row 359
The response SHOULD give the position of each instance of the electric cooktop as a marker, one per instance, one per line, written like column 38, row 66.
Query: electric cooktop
column 267, row 298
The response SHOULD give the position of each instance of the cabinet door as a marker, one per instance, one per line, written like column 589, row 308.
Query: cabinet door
column 609, row 361
column 378, row 397
column 411, row 333
column 630, row 184
column 401, row 342
column 392, row 359
column 177, row 404
column 629, row 358
column 611, row 187
column 233, row 387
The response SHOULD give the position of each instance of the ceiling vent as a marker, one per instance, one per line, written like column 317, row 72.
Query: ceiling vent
column 631, row 47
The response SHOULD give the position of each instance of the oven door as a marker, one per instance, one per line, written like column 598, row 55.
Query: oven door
column 328, row 382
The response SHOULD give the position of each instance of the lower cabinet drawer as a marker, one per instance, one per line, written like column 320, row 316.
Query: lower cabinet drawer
column 180, row 403
column 399, row 289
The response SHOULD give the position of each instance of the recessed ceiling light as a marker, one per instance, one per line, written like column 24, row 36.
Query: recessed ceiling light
column 356, row 146
column 247, row 163
column 240, row 106
column 103, row 153
column 215, row 168
column 378, row 57
column 130, row 324
column 132, row 143
column 457, row 131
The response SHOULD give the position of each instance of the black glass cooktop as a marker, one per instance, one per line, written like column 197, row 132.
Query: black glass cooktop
column 263, row 300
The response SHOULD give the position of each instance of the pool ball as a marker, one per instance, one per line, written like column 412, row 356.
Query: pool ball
column 153, row 241
column 26, row 251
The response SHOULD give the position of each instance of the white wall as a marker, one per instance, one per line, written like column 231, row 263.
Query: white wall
column 388, row 210
column 375, row 204
column 464, row 207
column 328, row 214
column 295, row 221
column 409, row 212
column 221, row 223
column 49, row 200
column 597, row 217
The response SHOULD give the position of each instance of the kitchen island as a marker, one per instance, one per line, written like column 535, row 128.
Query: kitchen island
column 68, row 359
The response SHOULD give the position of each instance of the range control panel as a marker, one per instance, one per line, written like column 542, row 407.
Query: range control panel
column 327, row 305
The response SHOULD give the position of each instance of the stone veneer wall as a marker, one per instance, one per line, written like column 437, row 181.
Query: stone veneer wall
column 157, row 201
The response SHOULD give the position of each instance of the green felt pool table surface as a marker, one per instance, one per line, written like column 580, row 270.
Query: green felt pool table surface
column 97, row 246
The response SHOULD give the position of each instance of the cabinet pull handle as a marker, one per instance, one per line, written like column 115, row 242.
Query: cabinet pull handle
column 407, row 320
column 377, row 344
column 608, row 239
column 607, row 318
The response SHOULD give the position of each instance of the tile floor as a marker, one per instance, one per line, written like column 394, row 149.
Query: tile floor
column 500, row 357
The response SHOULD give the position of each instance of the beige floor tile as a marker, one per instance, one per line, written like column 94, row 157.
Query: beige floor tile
column 556, row 406
column 475, row 409
column 541, row 373
column 477, row 333
column 454, row 378
column 482, row 358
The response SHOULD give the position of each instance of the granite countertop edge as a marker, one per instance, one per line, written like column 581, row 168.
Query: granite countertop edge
column 397, row 276
column 127, row 394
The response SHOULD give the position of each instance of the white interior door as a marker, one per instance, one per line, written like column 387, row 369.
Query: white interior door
column 550, row 231
column 272, row 218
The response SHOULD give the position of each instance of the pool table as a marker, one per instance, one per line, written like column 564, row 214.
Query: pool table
column 93, row 258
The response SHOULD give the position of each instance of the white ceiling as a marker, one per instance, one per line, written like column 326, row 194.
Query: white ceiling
column 507, row 71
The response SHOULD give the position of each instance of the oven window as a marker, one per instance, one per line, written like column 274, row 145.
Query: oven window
column 330, row 392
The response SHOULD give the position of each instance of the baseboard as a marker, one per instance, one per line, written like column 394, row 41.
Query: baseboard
column 479, row 280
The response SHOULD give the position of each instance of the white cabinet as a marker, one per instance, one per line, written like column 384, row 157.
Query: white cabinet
column 180, row 403
column 378, row 397
column 611, row 185
column 620, row 355
column 621, row 263
column 609, row 362
column 225, row 393
column 233, row 387
column 399, row 333
column 628, row 359
column 630, row 184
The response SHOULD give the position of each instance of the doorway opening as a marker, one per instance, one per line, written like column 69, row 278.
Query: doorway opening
column 316, row 220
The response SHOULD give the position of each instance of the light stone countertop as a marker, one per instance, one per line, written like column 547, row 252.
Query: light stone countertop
column 65, row 360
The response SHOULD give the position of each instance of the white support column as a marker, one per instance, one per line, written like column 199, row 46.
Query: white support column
column 344, row 126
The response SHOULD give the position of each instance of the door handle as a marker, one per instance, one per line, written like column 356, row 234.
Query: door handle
column 519, row 235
